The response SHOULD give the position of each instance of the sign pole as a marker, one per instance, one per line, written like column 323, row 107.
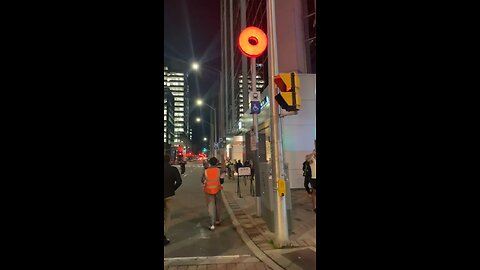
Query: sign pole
column 278, row 171
column 253, row 69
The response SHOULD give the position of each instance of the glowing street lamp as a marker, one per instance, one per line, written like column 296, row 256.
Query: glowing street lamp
column 205, row 139
column 195, row 66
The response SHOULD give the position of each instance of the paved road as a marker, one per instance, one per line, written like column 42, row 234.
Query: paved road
column 189, row 232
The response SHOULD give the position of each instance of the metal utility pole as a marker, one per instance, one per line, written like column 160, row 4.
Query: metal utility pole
column 253, row 69
column 278, row 170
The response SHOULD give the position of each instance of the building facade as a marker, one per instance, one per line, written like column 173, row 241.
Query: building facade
column 296, row 47
column 177, row 84
column 168, row 121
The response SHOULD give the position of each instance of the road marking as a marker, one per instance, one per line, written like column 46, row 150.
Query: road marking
column 209, row 260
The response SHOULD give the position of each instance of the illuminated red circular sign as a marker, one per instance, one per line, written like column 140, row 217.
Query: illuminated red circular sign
column 252, row 41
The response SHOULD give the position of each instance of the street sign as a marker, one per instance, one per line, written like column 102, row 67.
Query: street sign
column 215, row 146
column 254, row 96
column 255, row 107
column 243, row 171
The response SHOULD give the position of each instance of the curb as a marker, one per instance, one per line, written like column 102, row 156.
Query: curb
column 250, row 244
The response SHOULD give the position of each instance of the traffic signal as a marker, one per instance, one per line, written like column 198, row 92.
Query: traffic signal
column 204, row 150
column 289, row 85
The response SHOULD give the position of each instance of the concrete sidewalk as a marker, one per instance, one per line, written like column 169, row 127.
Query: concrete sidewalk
column 255, row 233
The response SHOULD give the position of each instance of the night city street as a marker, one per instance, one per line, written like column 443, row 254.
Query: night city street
column 189, row 232
column 240, row 96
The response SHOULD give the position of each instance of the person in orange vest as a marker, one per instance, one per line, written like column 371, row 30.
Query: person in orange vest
column 212, row 180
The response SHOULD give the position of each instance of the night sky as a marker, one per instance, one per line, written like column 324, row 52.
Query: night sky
column 192, row 33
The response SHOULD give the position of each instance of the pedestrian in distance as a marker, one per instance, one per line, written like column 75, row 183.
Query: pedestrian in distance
column 205, row 163
column 229, row 168
column 212, row 180
column 307, row 174
column 312, row 159
column 182, row 165
column 238, row 165
column 171, row 182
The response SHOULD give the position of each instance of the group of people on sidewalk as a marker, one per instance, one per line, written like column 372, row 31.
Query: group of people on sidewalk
column 212, row 180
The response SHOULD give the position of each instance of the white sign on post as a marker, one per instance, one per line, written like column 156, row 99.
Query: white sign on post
column 243, row 171
column 253, row 142
column 254, row 96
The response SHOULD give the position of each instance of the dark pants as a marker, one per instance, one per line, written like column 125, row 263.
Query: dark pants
column 313, row 183
column 305, row 184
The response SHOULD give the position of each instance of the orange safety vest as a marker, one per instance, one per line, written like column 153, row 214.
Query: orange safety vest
column 212, row 181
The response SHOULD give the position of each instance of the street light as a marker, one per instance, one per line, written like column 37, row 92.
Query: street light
column 200, row 103
column 195, row 66
column 198, row 120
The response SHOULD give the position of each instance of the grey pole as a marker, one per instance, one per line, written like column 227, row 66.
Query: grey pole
column 215, row 129
column 212, row 139
column 253, row 69
column 278, row 172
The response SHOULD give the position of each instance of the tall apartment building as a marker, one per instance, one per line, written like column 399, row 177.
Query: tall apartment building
column 168, row 121
column 176, row 83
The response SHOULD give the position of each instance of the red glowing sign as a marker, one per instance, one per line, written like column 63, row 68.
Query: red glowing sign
column 252, row 41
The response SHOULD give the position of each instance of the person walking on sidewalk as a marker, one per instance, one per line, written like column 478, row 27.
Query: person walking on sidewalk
column 312, row 159
column 238, row 164
column 171, row 182
column 182, row 165
column 307, row 173
column 212, row 180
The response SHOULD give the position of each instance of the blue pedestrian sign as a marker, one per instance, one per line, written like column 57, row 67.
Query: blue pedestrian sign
column 254, row 107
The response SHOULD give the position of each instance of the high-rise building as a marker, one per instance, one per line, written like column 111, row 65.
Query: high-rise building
column 168, row 121
column 177, row 84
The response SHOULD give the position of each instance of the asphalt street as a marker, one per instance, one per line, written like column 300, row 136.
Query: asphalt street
column 189, row 233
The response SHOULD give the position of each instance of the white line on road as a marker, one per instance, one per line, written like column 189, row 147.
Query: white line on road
column 207, row 257
column 209, row 260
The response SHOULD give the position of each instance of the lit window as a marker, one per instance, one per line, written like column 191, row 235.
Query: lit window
column 179, row 99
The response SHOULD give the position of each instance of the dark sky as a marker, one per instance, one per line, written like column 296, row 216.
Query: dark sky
column 192, row 33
